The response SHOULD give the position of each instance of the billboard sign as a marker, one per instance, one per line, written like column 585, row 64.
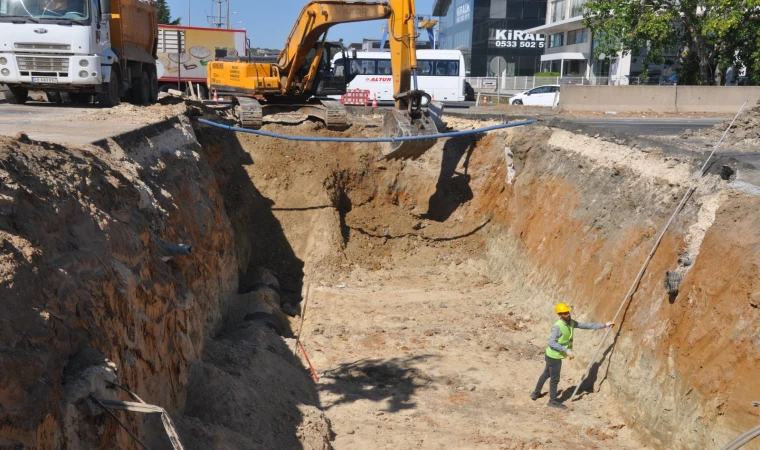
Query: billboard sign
column 464, row 11
column 516, row 39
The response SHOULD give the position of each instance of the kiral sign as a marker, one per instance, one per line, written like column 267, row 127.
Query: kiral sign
column 516, row 39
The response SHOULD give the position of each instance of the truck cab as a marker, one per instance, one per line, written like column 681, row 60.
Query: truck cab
column 73, row 46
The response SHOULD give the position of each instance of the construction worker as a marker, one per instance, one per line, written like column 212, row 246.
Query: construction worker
column 560, row 347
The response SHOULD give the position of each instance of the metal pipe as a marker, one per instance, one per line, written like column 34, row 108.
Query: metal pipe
column 176, row 249
column 743, row 439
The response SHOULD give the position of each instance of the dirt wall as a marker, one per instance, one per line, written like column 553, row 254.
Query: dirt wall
column 585, row 212
column 574, row 223
column 88, row 293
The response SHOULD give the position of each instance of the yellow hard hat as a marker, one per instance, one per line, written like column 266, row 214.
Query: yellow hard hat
column 561, row 308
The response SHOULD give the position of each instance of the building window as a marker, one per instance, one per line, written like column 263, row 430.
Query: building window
column 555, row 40
column 576, row 8
column 558, row 10
column 498, row 9
column 577, row 36
column 574, row 68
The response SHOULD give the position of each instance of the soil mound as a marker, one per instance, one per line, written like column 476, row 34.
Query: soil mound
column 744, row 135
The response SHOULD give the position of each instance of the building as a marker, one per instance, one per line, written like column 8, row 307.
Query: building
column 490, row 34
column 570, row 50
column 569, row 45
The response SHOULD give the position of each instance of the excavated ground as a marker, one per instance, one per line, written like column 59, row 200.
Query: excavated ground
column 429, row 283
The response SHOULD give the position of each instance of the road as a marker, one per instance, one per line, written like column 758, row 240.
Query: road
column 60, row 124
column 644, row 126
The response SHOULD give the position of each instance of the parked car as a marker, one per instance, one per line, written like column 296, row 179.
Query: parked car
column 540, row 96
column 670, row 80
column 469, row 92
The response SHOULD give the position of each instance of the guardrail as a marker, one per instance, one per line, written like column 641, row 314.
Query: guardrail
column 717, row 99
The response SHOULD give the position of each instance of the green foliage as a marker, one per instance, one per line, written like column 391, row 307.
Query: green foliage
column 546, row 74
column 704, row 35
column 165, row 14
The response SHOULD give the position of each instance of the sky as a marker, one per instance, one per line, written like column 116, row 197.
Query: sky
column 268, row 22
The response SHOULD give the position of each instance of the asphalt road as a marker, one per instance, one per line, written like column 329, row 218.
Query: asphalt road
column 58, row 123
column 644, row 126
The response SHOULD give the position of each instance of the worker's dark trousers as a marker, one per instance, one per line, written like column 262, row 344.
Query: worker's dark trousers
column 553, row 368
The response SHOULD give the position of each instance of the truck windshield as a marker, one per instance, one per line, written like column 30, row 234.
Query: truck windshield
column 71, row 10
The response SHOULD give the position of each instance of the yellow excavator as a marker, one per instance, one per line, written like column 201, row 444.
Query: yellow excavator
column 303, row 75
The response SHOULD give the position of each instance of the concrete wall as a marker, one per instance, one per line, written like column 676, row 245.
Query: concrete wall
column 720, row 99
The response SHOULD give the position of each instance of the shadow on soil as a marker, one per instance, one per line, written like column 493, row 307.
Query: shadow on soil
column 453, row 188
column 261, row 246
column 259, row 237
column 393, row 380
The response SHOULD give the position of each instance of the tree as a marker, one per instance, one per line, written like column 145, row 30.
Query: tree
column 165, row 14
column 704, row 35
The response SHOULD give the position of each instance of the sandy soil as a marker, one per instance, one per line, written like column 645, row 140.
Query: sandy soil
column 415, row 347
column 438, row 358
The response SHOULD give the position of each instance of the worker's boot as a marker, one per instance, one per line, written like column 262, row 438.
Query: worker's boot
column 534, row 395
column 556, row 404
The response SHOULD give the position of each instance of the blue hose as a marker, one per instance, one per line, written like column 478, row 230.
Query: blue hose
column 377, row 139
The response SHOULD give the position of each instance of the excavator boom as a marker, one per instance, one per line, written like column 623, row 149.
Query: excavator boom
column 303, row 65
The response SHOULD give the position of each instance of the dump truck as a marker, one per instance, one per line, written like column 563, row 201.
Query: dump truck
column 98, row 49
column 185, row 52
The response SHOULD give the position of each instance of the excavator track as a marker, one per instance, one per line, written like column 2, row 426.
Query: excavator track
column 249, row 112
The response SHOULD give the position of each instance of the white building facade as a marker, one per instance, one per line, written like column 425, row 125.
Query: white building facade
column 569, row 48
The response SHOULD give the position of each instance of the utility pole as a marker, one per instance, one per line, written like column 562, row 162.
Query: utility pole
column 219, row 20
column 188, row 13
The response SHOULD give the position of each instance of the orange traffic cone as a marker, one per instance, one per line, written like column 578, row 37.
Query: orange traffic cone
column 485, row 101
column 374, row 101
column 216, row 99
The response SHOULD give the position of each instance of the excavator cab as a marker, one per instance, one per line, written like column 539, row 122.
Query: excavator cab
column 331, row 79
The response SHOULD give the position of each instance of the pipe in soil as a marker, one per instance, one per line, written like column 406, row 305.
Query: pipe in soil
column 176, row 249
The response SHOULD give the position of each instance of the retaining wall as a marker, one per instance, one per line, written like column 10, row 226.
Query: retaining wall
column 718, row 99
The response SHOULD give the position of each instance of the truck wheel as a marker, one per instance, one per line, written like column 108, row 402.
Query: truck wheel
column 141, row 90
column 110, row 95
column 16, row 95
column 153, row 87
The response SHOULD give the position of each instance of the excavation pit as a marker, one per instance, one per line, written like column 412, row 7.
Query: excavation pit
column 431, row 286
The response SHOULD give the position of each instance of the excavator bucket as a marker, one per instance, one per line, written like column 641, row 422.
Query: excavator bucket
column 398, row 123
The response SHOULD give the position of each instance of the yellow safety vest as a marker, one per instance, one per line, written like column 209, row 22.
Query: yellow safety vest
column 565, row 340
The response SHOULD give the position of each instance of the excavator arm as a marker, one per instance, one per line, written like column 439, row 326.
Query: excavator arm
column 287, row 85
column 318, row 16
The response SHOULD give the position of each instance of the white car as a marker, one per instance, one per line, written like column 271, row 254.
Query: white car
column 540, row 96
